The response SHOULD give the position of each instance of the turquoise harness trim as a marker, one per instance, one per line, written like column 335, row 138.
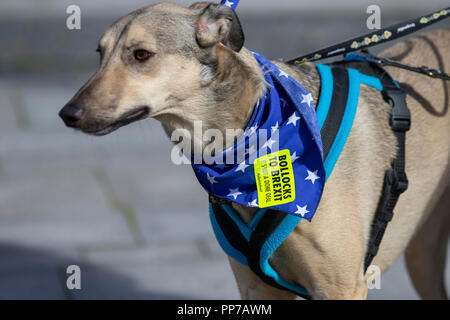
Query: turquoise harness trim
column 347, row 122
column 245, row 230
column 223, row 242
column 355, row 80
column 272, row 243
column 290, row 222
column 370, row 81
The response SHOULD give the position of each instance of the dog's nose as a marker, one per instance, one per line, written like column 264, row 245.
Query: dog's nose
column 71, row 114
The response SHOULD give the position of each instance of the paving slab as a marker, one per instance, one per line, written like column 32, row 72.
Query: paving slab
column 195, row 279
column 33, row 284
column 59, row 209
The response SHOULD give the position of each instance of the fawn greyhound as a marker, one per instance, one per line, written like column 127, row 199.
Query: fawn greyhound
column 179, row 65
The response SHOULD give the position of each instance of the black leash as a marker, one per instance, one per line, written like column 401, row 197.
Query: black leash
column 434, row 73
column 371, row 39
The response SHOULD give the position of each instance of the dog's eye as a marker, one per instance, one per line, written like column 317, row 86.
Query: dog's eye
column 142, row 55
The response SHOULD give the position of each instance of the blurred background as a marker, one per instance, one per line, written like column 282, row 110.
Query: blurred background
column 135, row 223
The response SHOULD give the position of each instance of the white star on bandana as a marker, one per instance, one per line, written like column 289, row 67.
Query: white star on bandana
column 307, row 98
column 312, row 176
column 242, row 166
column 293, row 119
column 294, row 156
column 253, row 203
column 301, row 210
column 283, row 74
column 275, row 127
column 210, row 179
column 228, row 3
column 234, row 193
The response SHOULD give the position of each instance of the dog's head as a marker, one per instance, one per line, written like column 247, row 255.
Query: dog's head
column 157, row 62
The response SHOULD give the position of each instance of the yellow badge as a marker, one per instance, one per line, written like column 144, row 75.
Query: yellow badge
column 274, row 179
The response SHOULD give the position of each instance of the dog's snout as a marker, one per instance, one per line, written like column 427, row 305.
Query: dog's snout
column 71, row 114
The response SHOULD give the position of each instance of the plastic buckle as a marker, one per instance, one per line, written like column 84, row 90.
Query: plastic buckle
column 400, row 115
column 398, row 181
column 401, row 184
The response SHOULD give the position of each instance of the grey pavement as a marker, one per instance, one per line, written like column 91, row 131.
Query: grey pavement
column 135, row 223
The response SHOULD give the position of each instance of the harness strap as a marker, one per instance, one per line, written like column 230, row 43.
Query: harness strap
column 268, row 224
column 234, row 235
column 334, row 116
column 253, row 244
column 395, row 180
column 434, row 73
column 337, row 107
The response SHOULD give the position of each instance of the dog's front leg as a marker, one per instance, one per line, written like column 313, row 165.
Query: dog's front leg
column 325, row 257
column 327, row 261
column 251, row 287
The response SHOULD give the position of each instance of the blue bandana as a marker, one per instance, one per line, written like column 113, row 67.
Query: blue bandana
column 281, row 166
column 230, row 3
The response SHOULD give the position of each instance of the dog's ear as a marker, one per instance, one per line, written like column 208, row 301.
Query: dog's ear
column 218, row 24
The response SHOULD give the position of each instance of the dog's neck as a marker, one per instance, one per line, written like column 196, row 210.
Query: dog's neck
column 241, row 86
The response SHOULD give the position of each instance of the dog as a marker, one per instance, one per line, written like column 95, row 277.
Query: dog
column 180, row 65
